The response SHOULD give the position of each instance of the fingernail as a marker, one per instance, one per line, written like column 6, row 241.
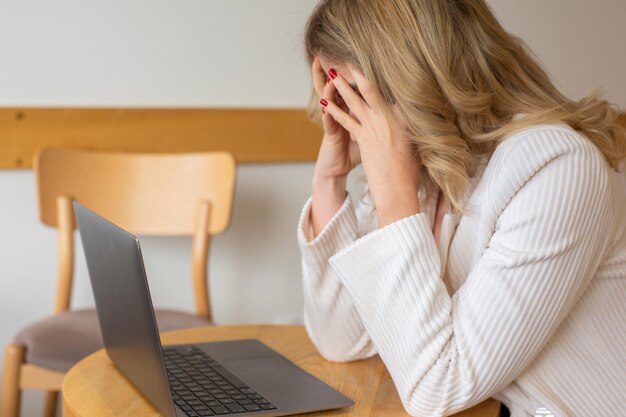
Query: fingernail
column 323, row 102
column 332, row 73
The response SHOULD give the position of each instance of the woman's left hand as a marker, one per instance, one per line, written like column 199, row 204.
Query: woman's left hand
column 388, row 156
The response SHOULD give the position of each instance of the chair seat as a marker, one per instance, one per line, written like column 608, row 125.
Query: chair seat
column 47, row 344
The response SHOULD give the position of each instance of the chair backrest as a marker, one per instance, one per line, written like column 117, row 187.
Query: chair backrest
column 146, row 194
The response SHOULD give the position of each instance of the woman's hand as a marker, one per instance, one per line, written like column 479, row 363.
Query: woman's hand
column 338, row 155
column 389, row 158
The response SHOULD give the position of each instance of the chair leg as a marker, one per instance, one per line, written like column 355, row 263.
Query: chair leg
column 11, row 392
column 50, row 404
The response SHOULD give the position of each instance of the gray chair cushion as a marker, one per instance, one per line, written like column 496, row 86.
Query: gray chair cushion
column 58, row 342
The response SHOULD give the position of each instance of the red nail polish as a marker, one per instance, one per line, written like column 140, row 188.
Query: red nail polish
column 324, row 102
column 332, row 73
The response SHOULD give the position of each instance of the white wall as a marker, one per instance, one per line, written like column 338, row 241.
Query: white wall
column 580, row 42
column 225, row 53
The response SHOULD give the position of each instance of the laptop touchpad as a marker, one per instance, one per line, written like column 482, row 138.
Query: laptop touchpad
column 277, row 377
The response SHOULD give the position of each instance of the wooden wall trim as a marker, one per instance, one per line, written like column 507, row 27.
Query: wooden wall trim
column 252, row 135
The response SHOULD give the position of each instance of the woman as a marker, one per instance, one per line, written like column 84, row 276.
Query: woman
column 487, row 256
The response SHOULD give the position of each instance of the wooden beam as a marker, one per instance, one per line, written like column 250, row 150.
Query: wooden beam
column 252, row 135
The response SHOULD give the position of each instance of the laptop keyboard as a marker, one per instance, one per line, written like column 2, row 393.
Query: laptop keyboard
column 202, row 387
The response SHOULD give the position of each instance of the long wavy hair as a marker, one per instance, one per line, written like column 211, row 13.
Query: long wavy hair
column 458, row 78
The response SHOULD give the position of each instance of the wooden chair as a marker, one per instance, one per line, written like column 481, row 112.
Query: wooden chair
column 147, row 194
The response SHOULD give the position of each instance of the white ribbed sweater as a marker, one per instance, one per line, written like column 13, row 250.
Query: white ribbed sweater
column 534, row 312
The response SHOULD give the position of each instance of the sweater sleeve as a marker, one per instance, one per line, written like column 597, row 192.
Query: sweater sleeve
column 446, row 353
column 330, row 317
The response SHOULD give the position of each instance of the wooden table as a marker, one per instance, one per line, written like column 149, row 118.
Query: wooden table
column 94, row 387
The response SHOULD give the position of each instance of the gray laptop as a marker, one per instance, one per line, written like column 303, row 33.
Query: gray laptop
column 241, row 377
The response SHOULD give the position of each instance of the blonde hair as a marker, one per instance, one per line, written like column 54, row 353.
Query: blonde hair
column 458, row 78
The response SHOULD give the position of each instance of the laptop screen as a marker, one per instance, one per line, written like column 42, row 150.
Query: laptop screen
column 124, row 305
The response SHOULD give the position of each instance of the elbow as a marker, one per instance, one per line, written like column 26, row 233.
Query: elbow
column 414, row 411
column 434, row 404
column 424, row 411
column 411, row 409
column 327, row 351
column 333, row 354
column 334, row 357
column 327, row 346
column 438, row 393
column 432, row 411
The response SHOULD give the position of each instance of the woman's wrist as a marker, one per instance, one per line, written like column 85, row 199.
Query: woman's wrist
column 329, row 194
column 329, row 183
column 394, row 206
column 397, row 212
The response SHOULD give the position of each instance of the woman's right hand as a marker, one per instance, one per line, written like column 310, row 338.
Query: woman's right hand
column 338, row 155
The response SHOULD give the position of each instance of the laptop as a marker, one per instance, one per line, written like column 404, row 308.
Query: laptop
column 240, row 377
